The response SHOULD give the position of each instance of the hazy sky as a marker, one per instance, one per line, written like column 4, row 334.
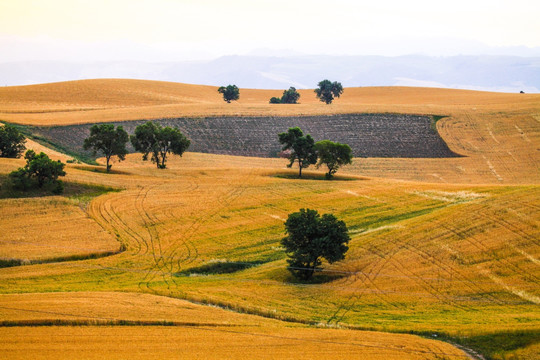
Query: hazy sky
column 164, row 30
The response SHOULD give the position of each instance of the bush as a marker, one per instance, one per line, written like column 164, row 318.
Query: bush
column 290, row 96
column 11, row 142
column 39, row 171
column 20, row 179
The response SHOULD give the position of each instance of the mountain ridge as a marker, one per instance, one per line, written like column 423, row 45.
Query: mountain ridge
column 485, row 72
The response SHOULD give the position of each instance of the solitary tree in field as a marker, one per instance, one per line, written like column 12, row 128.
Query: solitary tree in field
column 312, row 238
column 107, row 140
column 11, row 142
column 157, row 141
column 230, row 93
column 327, row 90
column 39, row 170
column 333, row 155
column 302, row 148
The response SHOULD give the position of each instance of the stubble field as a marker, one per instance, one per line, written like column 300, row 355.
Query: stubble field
column 445, row 247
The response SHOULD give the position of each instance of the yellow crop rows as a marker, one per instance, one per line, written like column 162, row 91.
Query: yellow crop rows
column 447, row 246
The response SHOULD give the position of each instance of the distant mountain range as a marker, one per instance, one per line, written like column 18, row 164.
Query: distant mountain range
column 490, row 73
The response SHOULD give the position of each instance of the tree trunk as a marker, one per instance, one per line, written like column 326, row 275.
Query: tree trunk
column 299, row 169
column 108, row 166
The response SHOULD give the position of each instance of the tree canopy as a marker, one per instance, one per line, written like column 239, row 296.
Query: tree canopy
column 302, row 148
column 11, row 142
column 153, row 139
column 327, row 90
column 312, row 238
column 333, row 155
column 39, row 169
column 230, row 93
column 290, row 96
column 107, row 140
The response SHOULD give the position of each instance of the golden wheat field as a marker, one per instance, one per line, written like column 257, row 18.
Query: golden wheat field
column 444, row 248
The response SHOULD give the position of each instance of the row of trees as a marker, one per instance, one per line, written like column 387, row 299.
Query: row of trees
column 301, row 148
column 326, row 92
column 151, row 139
column 156, row 142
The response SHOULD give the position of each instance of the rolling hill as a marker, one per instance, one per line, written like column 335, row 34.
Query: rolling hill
column 445, row 248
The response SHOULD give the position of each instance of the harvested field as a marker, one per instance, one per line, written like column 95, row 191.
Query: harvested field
column 184, row 329
column 105, row 100
column 369, row 135
column 50, row 228
column 216, row 342
column 440, row 246
column 481, row 126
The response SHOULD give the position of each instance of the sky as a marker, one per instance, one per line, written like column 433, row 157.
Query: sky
column 176, row 30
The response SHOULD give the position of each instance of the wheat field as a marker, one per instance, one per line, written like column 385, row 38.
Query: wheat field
column 445, row 247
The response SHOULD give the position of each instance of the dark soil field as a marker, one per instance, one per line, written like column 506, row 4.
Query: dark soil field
column 369, row 135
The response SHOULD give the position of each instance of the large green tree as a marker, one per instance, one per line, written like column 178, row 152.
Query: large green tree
column 230, row 92
column 109, row 141
column 333, row 155
column 327, row 91
column 312, row 238
column 11, row 142
column 39, row 169
column 302, row 148
column 153, row 139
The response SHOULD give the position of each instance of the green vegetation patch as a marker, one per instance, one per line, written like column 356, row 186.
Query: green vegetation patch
column 314, row 176
column 500, row 345
column 219, row 267
column 434, row 119
column 18, row 262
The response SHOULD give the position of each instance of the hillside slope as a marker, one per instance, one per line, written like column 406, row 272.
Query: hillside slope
column 498, row 134
column 90, row 101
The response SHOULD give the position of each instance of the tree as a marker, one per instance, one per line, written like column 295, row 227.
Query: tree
column 152, row 138
column 231, row 92
column 312, row 238
column 11, row 142
column 108, row 140
column 38, row 168
column 327, row 90
column 302, row 148
column 290, row 96
column 333, row 155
